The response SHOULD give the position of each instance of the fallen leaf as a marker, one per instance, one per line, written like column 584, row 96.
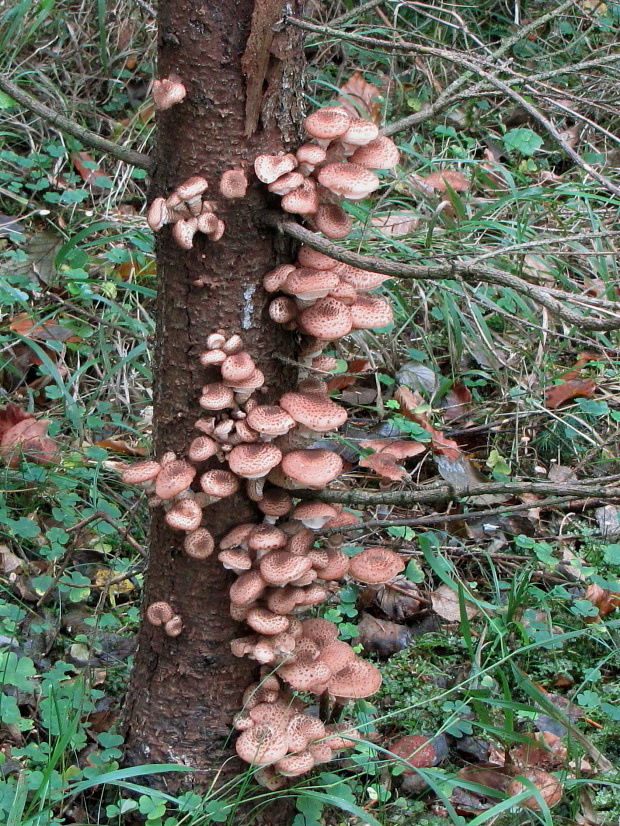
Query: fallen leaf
column 89, row 172
column 445, row 602
column 27, row 436
column 396, row 224
column 420, row 750
column 570, row 389
column 357, row 97
column 549, row 787
column 602, row 599
column 457, row 402
column 399, row 600
column 46, row 330
column 444, row 178
column 382, row 637
column 383, row 465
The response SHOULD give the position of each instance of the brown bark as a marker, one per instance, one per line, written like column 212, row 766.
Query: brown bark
column 184, row 691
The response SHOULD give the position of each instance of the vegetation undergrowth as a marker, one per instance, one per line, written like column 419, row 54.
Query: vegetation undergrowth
column 499, row 648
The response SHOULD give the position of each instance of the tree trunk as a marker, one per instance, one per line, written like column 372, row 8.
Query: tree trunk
column 184, row 691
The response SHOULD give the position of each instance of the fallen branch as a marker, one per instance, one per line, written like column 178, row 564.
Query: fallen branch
column 84, row 135
column 456, row 270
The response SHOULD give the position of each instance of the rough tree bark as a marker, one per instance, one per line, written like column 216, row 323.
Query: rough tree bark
column 184, row 691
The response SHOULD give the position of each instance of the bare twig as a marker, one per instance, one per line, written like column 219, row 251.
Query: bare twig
column 456, row 270
column 87, row 137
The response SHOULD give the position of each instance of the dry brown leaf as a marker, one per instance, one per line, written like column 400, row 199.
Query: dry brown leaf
column 41, row 331
column 358, row 98
column 444, row 178
column 383, row 465
column 456, row 402
column 9, row 561
column 602, row 599
column 89, row 172
column 445, row 602
column 397, row 224
column 22, row 433
column 570, row 389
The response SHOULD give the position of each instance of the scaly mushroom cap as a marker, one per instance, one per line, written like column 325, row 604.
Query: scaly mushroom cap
column 340, row 736
column 269, row 168
column 301, row 729
column 357, row 679
column 266, row 538
column 159, row 214
column 295, row 764
column 198, row 544
column 362, row 280
column 360, row 133
column 380, row 153
column 313, row 593
column 275, row 502
column 267, row 691
column 348, row 180
column 168, row 91
column 275, row 278
column 237, row 537
column 282, row 567
column 314, row 410
column 262, row 744
column 314, row 468
column 192, row 187
column 283, row 309
column 202, row 448
column 212, row 358
column 256, row 380
column 327, row 122
column 184, row 515
column 253, row 461
column 313, row 514
column 328, row 319
column 268, row 779
column 238, row 367
column 143, row 471
column 159, row 613
column 174, row 477
column 233, row 183
column 320, row 631
column 264, row 621
column 208, row 223
column 307, row 257
column 183, row 232
column 245, row 432
column 219, row 483
column 270, row 420
column 215, row 341
column 304, row 673
column 344, row 293
column 308, row 284
column 370, row 311
column 247, row 588
column 275, row 713
column 375, row 565
column 332, row 221
column 283, row 600
column 174, row 626
column 301, row 540
column 310, row 153
column 336, row 655
column 326, row 364
column 301, row 201
column 235, row 560
column 337, row 565
column 216, row 396
column 320, row 752
column 286, row 183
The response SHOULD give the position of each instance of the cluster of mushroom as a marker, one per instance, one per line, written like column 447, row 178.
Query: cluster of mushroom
column 187, row 212
column 325, row 299
column 334, row 164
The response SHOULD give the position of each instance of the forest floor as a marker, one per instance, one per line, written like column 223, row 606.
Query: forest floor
column 499, row 646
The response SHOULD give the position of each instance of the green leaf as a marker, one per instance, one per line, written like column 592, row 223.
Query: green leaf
column 16, row 671
column 5, row 101
column 523, row 141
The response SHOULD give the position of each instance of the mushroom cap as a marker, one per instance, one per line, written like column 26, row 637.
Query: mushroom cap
column 301, row 540
column 327, row 319
column 256, row 380
column 198, row 543
column 314, row 468
column 202, row 448
column 207, row 222
column 233, row 183
column 327, row 122
column 362, row 280
column 357, row 679
column 326, row 364
column 344, row 293
column 320, row 631
column 348, row 180
column 286, row 183
column 215, row 341
column 337, row 565
column 303, row 200
column 158, row 214
column 310, row 153
column 264, row 621
column 266, row 538
column 184, row 515
column 238, row 367
column 270, row 420
column 174, row 477
column 245, row 432
column 233, row 345
column 370, row 311
column 307, row 283
column 314, row 410
column 218, row 482
column 247, row 588
column 192, row 187
column 313, row 514
column 360, row 132
column 307, row 257
column 332, row 221
column 292, row 765
column 444, row 178
column 212, row 357
column 269, row 168
column 301, row 729
column 253, row 460
column 236, row 560
column 304, row 673
column 283, row 600
column 167, row 91
column 283, row 309
column 313, row 593
column 282, row 567
column 262, row 744
column 274, row 279
column 140, row 472
column 269, row 779
column 183, row 232
column 237, row 536
column 380, row 153
column 336, row 655
column 320, row 752
column 275, row 502
column 216, row 396
column 375, row 565
column 276, row 712
column 159, row 613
